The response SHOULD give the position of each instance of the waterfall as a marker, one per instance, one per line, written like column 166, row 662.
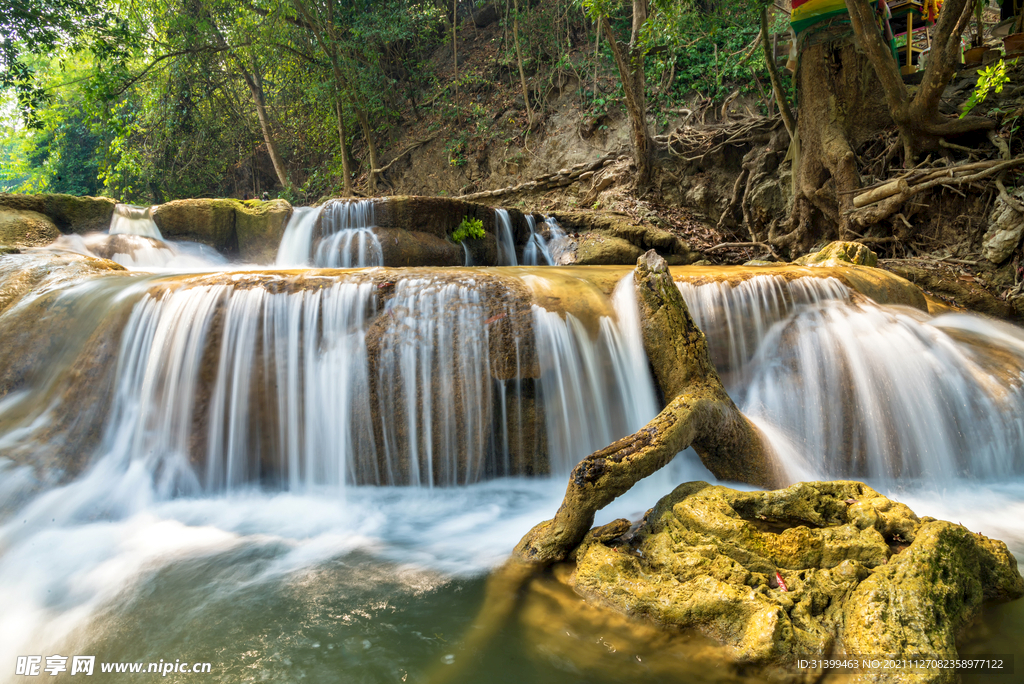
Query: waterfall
column 222, row 382
column 337, row 235
column 297, row 241
column 737, row 317
column 348, row 240
column 887, row 393
column 129, row 219
column 847, row 388
column 545, row 252
column 586, row 407
column 506, row 239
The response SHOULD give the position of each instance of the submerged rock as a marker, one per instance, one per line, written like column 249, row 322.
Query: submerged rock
column 818, row 568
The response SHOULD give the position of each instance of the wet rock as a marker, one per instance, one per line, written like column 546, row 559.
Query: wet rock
column 259, row 227
column 809, row 569
column 40, row 272
column 621, row 229
column 602, row 250
column 966, row 293
column 416, row 248
column 69, row 213
column 838, row 253
column 207, row 221
column 23, row 228
column 1006, row 226
column 439, row 216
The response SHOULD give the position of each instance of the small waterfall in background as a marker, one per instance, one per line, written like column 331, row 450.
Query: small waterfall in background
column 134, row 241
column 544, row 252
column 297, row 241
column 347, row 238
column 336, row 235
column 506, row 238
column 129, row 219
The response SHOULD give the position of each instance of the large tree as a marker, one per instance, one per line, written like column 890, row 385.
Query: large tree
column 850, row 89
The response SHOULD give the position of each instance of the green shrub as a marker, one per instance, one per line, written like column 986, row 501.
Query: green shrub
column 469, row 228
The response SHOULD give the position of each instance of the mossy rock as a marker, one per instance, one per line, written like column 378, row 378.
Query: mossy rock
column 71, row 214
column 208, row 221
column 259, row 227
column 23, row 228
column 861, row 572
column 603, row 250
column 837, row 253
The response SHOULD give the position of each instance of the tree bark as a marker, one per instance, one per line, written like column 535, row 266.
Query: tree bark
column 346, row 165
column 773, row 73
column 371, row 146
column 522, row 72
column 630, row 63
column 256, row 89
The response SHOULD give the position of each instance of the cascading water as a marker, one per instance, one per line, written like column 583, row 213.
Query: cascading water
column 129, row 219
column 506, row 238
column 888, row 394
column 337, row 235
column 348, row 240
column 135, row 242
column 297, row 241
column 545, row 252
column 737, row 317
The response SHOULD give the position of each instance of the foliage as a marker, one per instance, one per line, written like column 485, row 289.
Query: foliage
column 990, row 78
column 469, row 228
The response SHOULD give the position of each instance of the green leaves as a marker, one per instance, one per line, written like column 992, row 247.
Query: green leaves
column 990, row 78
column 470, row 228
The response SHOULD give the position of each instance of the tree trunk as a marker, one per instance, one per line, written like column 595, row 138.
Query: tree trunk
column 918, row 119
column 256, row 90
column 631, row 71
column 522, row 72
column 699, row 414
column 773, row 73
column 371, row 146
column 346, row 166
column 840, row 110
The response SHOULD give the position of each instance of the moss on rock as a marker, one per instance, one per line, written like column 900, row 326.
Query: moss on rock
column 862, row 574
column 837, row 253
column 259, row 227
column 209, row 221
column 71, row 214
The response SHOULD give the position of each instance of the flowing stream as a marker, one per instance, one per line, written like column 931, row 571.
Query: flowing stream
column 309, row 477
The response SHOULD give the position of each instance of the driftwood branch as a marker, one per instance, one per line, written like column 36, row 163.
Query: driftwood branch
column 410, row 148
